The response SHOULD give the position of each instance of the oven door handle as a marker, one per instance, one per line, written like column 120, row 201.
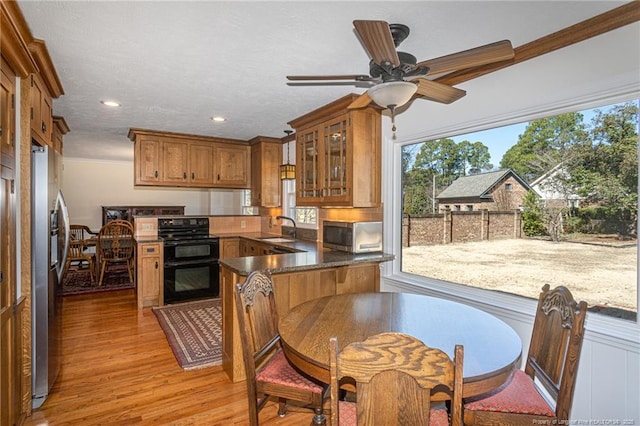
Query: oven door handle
column 190, row 242
column 203, row 262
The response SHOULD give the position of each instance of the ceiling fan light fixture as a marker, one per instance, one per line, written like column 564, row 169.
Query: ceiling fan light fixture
column 392, row 93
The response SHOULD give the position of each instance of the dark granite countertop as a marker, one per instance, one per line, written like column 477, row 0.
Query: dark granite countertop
column 147, row 240
column 311, row 256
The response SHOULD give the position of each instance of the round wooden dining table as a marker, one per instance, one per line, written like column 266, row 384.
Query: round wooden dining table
column 492, row 349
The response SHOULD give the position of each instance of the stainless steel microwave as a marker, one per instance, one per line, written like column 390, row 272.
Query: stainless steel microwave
column 354, row 237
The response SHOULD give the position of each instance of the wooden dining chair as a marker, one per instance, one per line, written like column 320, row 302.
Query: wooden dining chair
column 81, row 232
column 396, row 378
column 269, row 373
column 554, row 352
column 78, row 255
column 116, row 246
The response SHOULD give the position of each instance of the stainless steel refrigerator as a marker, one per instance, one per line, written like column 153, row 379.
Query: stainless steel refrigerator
column 49, row 242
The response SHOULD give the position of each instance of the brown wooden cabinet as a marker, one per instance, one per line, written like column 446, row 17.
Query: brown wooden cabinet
column 338, row 156
column 21, row 56
column 149, row 274
column 253, row 248
column 229, row 248
column 176, row 159
column 60, row 128
column 7, row 116
column 187, row 163
column 200, row 161
column 232, row 166
column 147, row 155
column 41, row 108
column 266, row 157
column 44, row 86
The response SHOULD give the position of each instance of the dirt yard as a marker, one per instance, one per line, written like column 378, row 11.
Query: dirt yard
column 602, row 273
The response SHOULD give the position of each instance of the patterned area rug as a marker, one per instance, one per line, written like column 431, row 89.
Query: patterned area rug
column 194, row 332
column 78, row 281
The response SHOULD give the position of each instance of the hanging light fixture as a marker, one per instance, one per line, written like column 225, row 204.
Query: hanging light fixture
column 287, row 171
column 392, row 95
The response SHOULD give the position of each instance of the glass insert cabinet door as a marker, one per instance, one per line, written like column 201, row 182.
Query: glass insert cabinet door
column 308, row 177
column 335, row 159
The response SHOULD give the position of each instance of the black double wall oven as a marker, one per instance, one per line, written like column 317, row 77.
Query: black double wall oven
column 191, row 269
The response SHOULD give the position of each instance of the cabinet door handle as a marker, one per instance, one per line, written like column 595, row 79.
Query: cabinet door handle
column 193, row 175
column 157, row 264
column 184, row 175
column 44, row 127
column 155, row 174
column 218, row 176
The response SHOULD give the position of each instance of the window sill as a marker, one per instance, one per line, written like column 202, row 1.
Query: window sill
column 607, row 330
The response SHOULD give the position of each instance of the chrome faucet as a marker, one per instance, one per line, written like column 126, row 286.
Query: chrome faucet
column 295, row 228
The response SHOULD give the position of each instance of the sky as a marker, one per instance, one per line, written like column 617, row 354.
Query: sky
column 500, row 139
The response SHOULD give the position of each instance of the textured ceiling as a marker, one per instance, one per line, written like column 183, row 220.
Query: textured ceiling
column 174, row 65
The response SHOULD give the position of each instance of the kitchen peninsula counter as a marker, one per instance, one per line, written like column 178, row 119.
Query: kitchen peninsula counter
column 310, row 256
column 310, row 273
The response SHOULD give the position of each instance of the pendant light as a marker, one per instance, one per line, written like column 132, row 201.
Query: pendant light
column 287, row 171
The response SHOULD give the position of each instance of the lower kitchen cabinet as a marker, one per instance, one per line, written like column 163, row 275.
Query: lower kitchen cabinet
column 150, row 274
column 229, row 247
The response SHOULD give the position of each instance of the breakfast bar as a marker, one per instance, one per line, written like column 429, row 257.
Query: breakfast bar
column 297, row 278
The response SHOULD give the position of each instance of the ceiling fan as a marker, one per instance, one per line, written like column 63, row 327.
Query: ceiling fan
column 396, row 77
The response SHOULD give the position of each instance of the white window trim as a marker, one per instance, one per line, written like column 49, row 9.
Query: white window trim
column 606, row 328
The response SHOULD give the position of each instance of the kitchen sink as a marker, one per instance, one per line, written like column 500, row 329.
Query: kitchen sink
column 277, row 240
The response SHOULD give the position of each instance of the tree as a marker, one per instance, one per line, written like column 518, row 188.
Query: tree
column 475, row 157
column 606, row 170
column 434, row 166
column 545, row 143
column 532, row 215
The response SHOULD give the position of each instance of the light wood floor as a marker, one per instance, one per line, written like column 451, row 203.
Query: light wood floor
column 118, row 369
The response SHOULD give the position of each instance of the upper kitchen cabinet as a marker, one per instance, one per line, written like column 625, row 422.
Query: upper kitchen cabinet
column 338, row 156
column 44, row 86
column 7, row 116
column 266, row 156
column 175, row 159
column 60, row 128
column 40, row 111
column 187, row 163
column 232, row 165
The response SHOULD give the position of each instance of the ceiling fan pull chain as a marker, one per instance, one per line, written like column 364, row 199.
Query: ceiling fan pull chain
column 392, row 108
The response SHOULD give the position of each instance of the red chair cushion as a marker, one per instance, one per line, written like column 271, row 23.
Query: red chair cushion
column 518, row 396
column 347, row 415
column 278, row 370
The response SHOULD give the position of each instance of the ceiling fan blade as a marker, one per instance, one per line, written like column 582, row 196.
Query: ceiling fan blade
column 489, row 53
column 355, row 77
column 437, row 91
column 377, row 40
column 361, row 101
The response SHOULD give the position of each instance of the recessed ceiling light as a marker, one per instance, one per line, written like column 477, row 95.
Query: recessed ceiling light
column 218, row 119
column 110, row 103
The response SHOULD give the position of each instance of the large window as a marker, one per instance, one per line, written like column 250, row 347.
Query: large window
column 553, row 200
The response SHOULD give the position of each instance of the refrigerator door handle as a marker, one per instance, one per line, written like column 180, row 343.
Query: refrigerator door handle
column 61, row 205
